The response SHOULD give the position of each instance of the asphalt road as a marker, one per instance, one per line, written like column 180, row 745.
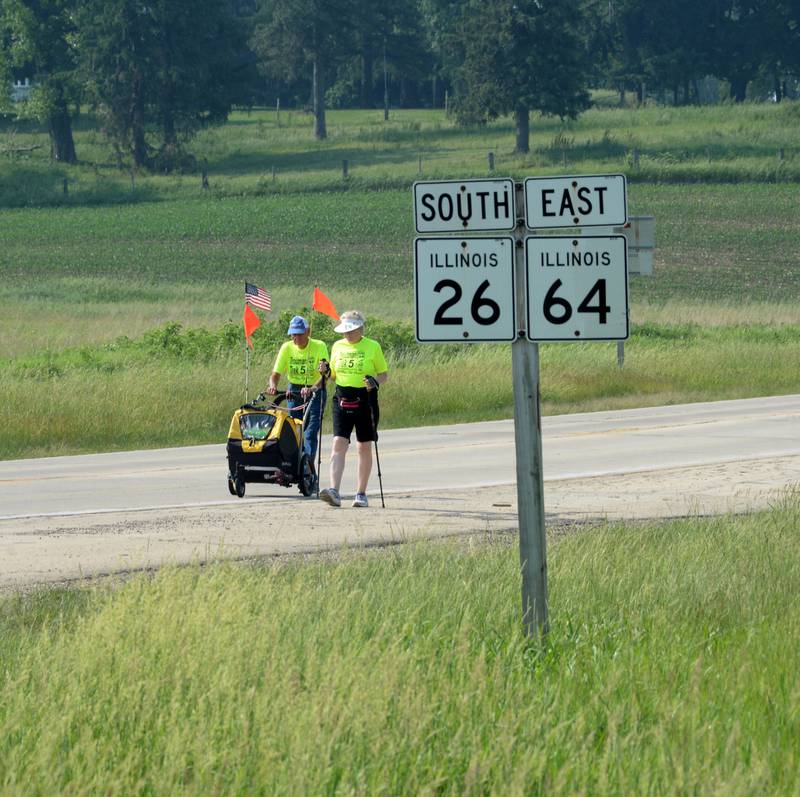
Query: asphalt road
column 66, row 517
column 423, row 459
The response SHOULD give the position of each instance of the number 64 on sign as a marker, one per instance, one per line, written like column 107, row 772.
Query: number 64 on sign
column 577, row 287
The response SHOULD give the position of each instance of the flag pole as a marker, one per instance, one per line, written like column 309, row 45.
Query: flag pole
column 246, row 372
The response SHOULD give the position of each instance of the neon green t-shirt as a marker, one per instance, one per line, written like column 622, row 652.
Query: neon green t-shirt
column 351, row 362
column 300, row 365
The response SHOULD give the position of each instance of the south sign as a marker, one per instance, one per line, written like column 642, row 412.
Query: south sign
column 598, row 200
column 464, row 206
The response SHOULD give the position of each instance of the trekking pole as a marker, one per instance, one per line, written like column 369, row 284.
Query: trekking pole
column 377, row 458
column 321, row 417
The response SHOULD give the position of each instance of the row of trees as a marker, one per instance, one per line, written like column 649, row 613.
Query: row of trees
column 158, row 70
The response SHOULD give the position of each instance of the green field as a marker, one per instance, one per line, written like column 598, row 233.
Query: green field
column 671, row 665
column 671, row 668
column 91, row 279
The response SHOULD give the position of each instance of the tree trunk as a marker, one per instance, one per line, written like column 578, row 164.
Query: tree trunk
column 738, row 89
column 522, row 122
column 169, row 149
column 366, row 77
column 778, row 93
column 320, row 131
column 62, row 145
column 138, row 142
column 622, row 96
column 675, row 98
column 640, row 93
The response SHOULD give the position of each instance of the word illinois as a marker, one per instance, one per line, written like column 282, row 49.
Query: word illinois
column 563, row 259
column 464, row 260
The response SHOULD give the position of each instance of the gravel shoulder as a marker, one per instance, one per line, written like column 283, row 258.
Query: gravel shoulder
column 63, row 549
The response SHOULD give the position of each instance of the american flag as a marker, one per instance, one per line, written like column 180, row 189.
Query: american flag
column 257, row 296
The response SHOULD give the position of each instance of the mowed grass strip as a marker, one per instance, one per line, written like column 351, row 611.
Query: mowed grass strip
column 670, row 668
column 262, row 153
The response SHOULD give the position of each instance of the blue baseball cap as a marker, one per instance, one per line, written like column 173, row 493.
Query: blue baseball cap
column 297, row 326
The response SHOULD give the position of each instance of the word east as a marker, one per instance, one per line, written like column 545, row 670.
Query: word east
column 583, row 206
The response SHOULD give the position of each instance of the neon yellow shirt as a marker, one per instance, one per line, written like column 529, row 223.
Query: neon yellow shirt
column 351, row 362
column 300, row 365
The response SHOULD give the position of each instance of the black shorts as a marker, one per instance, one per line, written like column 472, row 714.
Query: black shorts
column 344, row 420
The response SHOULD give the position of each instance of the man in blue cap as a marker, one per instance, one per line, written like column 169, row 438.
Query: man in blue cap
column 299, row 360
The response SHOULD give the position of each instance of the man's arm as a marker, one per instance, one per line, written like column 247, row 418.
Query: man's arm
column 274, row 378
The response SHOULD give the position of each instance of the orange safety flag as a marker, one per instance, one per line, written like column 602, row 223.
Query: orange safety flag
column 322, row 304
column 251, row 323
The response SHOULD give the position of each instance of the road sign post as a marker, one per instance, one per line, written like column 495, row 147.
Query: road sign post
column 530, row 484
column 530, row 464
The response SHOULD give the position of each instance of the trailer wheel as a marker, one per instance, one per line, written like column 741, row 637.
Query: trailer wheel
column 306, row 484
column 238, row 485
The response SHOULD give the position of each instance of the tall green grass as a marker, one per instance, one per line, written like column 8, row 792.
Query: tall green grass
column 670, row 668
column 177, row 386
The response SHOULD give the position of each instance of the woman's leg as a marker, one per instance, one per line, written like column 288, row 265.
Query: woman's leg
column 364, row 465
column 338, row 454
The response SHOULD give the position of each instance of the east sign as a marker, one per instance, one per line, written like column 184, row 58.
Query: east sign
column 579, row 201
column 464, row 206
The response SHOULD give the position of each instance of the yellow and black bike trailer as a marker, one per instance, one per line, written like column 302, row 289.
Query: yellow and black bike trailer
column 265, row 445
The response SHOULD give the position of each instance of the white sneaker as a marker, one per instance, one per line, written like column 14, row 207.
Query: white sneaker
column 360, row 500
column 330, row 496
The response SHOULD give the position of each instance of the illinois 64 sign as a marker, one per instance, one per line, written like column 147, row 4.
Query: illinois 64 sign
column 577, row 287
column 464, row 289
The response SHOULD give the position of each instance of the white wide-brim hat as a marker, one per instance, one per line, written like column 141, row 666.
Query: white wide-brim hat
column 349, row 324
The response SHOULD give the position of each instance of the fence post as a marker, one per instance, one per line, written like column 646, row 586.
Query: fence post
column 780, row 154
column 491, row 161
column 344, row 170
column 419, row 167
column 65, row 187
column 273, row 174
column 204, row 173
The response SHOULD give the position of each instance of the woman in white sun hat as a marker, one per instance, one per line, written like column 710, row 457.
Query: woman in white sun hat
column 358, row 367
